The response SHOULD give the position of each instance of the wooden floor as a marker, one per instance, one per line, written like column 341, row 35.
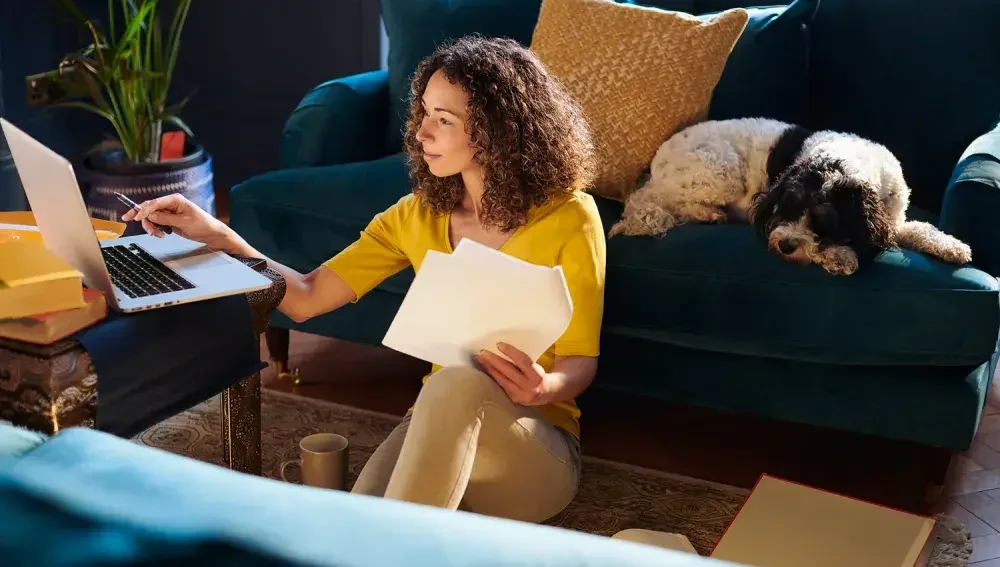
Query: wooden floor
column 699, row 443
column 974, row 494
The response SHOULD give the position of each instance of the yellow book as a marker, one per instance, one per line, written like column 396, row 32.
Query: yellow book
column 33, row 280
column 785, row 524
column 21, row 225
column 47, row 328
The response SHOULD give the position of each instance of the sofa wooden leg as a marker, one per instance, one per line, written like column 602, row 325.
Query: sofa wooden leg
column 938, row 470
column 277, row 345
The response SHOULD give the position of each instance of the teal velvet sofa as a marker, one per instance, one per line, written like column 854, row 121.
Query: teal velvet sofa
column 705, row 315
column 84, row 498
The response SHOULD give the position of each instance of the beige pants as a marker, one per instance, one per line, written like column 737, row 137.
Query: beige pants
column 466, row 445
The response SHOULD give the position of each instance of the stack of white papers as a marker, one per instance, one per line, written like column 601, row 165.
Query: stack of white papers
column 468, row 301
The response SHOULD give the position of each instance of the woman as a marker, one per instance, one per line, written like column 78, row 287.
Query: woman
column 499, row 154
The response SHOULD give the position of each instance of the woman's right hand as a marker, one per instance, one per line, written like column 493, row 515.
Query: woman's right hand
column 185, row 218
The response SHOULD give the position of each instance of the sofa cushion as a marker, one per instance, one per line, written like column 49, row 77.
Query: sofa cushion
column 697, row 6
column 719, row 288
column 767, row 74
column 16, row 440
column 302, row 217
column 608, row 57
column 416, row 27
column 919, row 76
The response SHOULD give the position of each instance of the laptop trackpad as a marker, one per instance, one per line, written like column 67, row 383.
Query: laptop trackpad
column 200, row 265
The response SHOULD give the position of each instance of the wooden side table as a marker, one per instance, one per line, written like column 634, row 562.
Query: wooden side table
column 52, row 387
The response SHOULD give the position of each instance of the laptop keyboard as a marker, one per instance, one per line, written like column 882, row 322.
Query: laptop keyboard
column 139, row 274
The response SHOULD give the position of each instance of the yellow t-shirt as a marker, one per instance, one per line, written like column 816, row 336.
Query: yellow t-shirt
column 566, row 232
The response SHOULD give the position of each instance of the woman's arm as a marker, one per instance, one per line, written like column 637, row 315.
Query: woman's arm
column 528, row 384
column 375, row 256
column 359, row 267
column 570, row 376
column 306, row 295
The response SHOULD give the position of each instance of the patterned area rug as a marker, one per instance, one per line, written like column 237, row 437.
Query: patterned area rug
column 612, row 497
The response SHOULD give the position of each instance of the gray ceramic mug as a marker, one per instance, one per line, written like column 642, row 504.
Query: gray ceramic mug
column 323, row 460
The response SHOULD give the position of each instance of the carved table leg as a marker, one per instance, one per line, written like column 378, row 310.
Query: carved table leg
column 241, row 410
column 241, row 426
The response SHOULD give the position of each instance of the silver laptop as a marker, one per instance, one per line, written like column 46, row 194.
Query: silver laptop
column 135, row 272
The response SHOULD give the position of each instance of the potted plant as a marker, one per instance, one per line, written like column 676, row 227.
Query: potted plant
column 124, row 75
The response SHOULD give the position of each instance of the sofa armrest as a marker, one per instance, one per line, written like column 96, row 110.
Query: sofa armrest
column 972, row 201
column 16, row 441
column 89, row 498
column 339, row 121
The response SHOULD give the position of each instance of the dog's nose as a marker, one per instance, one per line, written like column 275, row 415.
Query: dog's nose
column 786, row 246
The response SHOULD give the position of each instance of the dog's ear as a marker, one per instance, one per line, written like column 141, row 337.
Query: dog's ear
column 877, row 217
column 862, row 217
column 783, row 200
column 761, row 209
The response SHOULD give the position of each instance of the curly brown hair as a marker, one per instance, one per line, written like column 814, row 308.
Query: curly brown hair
column 530, row 136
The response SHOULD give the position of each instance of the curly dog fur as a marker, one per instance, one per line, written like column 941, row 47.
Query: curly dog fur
column 828, row 198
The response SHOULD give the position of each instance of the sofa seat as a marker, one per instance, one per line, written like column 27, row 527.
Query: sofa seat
column 937, row 405
column 718, row 288
column 727, row 293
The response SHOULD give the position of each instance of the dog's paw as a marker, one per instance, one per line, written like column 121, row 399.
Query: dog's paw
column 839, row 261
column 957, row 253
column 840, row 269
column 617, row 228
column 718, row 217
column 701, row 213
column 643, row 222
column 926, row 238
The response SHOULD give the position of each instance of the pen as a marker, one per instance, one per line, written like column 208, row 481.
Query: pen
column 135, row 207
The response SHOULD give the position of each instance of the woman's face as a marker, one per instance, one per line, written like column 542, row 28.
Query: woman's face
column 442, row 134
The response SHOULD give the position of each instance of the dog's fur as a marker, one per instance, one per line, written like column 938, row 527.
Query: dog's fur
column 829, row 198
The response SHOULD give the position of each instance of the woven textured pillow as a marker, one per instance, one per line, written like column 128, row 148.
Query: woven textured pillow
column 640, row 74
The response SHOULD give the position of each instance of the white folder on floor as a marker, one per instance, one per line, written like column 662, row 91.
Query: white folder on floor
column 467, row 301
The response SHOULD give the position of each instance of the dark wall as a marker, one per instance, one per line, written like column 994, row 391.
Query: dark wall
column 11, row 199
column 32, row 38
column 248, row 63
column 250, row 67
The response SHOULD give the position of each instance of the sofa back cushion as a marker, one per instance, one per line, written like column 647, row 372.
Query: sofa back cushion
column 920, row 76
column 416, row 27
column 767, row 74
column 699, row 6
column 639, row 74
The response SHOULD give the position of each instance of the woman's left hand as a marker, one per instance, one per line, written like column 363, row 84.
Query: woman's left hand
column 524, row 381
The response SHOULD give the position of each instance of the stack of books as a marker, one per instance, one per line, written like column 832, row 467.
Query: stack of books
column 42, row 298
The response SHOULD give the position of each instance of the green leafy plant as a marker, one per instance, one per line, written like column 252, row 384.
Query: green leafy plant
column 125, row 74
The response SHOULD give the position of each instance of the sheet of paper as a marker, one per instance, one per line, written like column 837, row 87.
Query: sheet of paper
column 471, row 251
column 470, row 300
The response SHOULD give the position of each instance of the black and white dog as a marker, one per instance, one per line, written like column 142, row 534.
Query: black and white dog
column 828, row 198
